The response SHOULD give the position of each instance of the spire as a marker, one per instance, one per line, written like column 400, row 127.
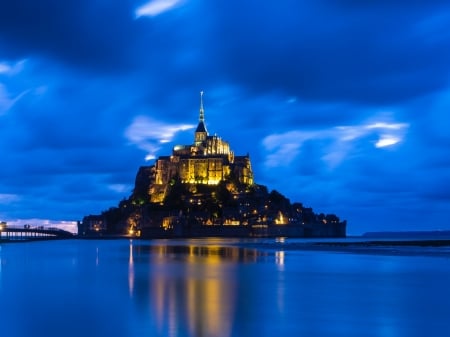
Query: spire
column 201, row 133
column 202, row 111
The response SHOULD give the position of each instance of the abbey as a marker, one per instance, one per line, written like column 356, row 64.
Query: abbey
column 204, row 190
column 208, row 160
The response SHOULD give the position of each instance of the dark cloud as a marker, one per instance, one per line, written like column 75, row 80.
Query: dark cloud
column 324, row 52
column 98, row 34
column 312, row 79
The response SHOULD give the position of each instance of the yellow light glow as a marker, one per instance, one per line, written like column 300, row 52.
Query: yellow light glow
column 280, row 220
column 229, row 222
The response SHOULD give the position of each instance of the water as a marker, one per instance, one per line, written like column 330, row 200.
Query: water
column 218, row 288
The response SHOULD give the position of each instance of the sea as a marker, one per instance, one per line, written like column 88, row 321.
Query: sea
column 221, row 288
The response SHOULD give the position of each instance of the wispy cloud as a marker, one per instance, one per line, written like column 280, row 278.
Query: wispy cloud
column 285, row 147
column 8, row 198
column 6, row 102
column 120, row 188
column 7, row 68
column 4, row 68
column 148, row 134
column 156, row 7
column 387, row 140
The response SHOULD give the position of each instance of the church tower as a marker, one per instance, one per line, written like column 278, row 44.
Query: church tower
column 201, row 133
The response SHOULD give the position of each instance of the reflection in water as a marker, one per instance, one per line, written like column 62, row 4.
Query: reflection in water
column 210, row 301
column 131, row 270
column 190, row 288
column 280, row 288
column 280, row 239
column 279, row 259
column 193, row 287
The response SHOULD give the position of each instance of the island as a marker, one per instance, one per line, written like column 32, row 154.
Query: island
column 204, row 190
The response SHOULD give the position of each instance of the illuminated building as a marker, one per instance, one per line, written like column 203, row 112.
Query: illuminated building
column 204, row 190
column 208, row 160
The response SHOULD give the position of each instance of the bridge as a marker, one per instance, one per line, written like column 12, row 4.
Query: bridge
column 29, row 233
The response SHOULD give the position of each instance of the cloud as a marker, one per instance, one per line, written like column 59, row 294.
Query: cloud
column 328, row 52
column 69, row 33
column 156, row 7
column 70, row 226
column 299, row 85
column 6, row 68
column 387, row 140
column 8, row 198
column 120, row 188
column 335, row 142
column 148, row 134
column 6, row 102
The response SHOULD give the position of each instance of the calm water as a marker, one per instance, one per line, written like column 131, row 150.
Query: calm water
column 217, row 288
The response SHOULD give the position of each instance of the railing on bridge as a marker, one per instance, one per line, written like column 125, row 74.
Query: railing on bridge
column 31, row 233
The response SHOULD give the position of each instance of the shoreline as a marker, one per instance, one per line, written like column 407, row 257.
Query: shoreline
column 371, row 247
column 394, row 247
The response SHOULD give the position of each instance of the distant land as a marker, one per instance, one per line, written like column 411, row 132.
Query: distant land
column 408, row 234
column 201, row 190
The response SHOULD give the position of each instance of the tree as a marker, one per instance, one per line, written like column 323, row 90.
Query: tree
column 176, row 194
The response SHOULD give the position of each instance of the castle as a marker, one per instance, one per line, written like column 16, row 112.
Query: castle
column 209, row 160
column 201, row 190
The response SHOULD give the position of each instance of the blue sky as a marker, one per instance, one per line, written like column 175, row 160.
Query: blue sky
column 342, row 105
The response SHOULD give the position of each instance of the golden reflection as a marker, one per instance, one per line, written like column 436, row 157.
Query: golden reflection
column 195, row 286
column 210, row 299
column 158, row 295
column 279, row 259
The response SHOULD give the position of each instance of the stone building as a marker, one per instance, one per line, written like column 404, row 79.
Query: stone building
column 208, row 160
column 181, row 195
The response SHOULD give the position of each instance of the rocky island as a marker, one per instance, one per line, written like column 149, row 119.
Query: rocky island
column 204, row 189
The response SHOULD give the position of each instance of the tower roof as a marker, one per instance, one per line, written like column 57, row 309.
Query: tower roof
column 201, row 127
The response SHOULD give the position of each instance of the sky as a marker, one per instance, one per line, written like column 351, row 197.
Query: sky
column 342, row 105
